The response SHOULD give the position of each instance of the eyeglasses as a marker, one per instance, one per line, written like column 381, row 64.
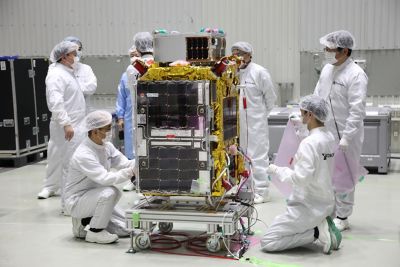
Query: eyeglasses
column 327, row 49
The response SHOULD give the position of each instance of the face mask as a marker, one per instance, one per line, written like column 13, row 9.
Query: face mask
column 108, row 137
column 304, row 123
column 74, row 65
column 303, row 117
column 330, row 57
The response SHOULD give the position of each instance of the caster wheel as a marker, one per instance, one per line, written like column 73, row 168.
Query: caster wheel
column 165, row 227
column 213, row 244
column 142, row 241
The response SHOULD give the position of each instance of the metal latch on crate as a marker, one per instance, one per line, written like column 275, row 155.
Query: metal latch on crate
column 35, row 130
column 31, row 73
column 27, row 120
column 8, row 123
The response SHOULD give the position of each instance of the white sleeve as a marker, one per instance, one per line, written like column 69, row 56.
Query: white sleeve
column 91, row 167
column 356, row 96
column 119, row 160
column 132, row 75
column 304, row 166
column 87, row 80
column 55, row 87
column 317, row 89
column 268, row 90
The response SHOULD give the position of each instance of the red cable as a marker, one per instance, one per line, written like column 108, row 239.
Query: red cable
column 191, row 243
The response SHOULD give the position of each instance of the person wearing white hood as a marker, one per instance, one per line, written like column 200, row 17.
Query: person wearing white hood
column 257, row 98
column 312, row 201
column 143, row 44
column 84, row 73
column 343, row 84
column 90, row 192
column 65, row 100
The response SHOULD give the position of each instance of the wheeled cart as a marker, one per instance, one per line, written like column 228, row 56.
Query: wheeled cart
column 222, row 225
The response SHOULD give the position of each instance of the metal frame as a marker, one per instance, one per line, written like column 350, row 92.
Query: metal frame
column 14, row 94
column 184, row 210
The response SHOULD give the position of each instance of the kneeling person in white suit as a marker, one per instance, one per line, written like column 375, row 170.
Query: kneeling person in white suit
column 312, row 201
column 90, row 193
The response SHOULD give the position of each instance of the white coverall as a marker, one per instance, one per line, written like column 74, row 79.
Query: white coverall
column 312, row 199
column 87, row 81
column 254, row 139
column 346, row 86
column 132, row 76
column 65, row 100
column 90, row 190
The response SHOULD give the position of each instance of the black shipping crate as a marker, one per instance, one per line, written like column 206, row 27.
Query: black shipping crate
column 24, row 116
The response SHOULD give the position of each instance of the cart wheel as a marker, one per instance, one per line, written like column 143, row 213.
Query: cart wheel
column 213, row 244
column 165, row 227
column 142, row 241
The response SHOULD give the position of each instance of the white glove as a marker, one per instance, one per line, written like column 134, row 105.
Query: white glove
column 295, row 119
column 272, row 169
column 124, row 175
column 343, row 144
column 294, row 116
column 132, row 163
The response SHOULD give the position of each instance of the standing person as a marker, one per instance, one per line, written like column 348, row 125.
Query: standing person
column 84, row 73
column 257, row 98
column 65, row 100
column 312, row 201
column 143, row 42
column 343, row 84
column 124, row 109
column 90, row 193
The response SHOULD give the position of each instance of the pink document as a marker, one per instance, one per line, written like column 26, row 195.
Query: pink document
column 346, row 172
column 287, row 149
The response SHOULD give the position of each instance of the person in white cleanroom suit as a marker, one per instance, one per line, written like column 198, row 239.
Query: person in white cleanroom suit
column 257, row 98
column 312, row 201
column 90, row 193
column 143, row 42
column 65, row 100
column 84, row 73
column 343, row 84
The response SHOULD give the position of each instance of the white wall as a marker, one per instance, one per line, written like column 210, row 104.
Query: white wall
column 107, row 27
column 278, row 29
column 375, row 24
